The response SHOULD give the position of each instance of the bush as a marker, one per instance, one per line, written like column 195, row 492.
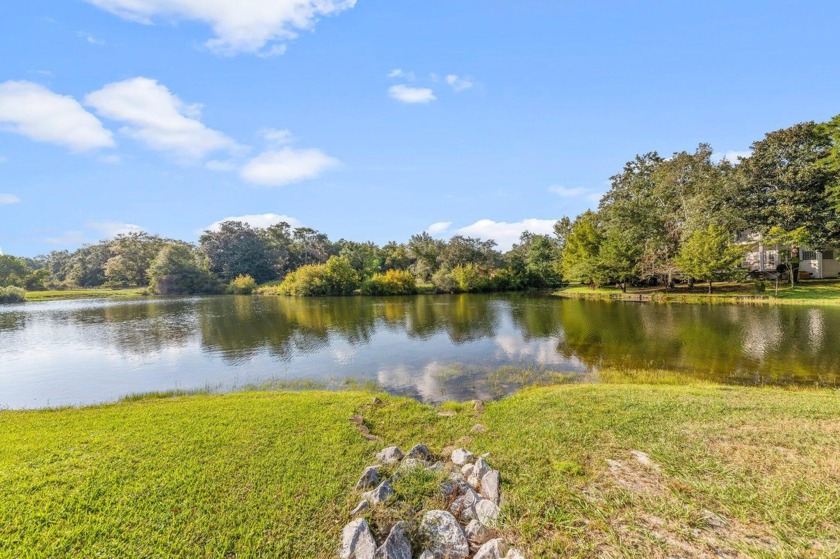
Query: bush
column 443, row 281
column 242, row 285
column 470, row 278
column 12, row 294
column 335, row 277
column 392, row 282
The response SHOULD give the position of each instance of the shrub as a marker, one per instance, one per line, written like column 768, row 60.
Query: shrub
column 392, row 282
column 12, row 294
column 470, row 278
column 335, row 277
column 242, row 285
column 443, row 281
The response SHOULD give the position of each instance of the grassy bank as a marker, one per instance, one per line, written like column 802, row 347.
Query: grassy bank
column 810, row 292
column 257, row 474
column 55, row 295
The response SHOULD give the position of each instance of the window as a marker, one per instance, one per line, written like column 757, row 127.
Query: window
column 809, row 255
column 828, row 255
column 770, row 260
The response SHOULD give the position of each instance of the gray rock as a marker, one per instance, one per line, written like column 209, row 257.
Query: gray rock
column 467, row 470
column 390, row 455
column 360, row 508
column 396, row 545
column 412, row 463
column 444, row 536
column 490, row 486
column 437, row 467
column 487, row 512
column 514, row 553
column 464, row 506
column 357, row 542
column 426, row 555
column 455, row 485
column 474, row 481
column 420, row 452
column 494, row 549
column 481, row 468
column 380, row 494
column 477, row 533
column 370, row 477
column 461, row 456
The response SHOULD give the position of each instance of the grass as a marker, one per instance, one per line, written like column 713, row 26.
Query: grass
column 99, row 293
column 270, row 474
column 808, row 292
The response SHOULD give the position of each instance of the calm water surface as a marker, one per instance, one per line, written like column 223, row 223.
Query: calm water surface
column 433, row 348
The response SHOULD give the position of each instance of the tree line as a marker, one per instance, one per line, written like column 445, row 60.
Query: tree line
column 663, row 219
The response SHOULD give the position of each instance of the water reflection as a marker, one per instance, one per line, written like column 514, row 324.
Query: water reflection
column 431, row 347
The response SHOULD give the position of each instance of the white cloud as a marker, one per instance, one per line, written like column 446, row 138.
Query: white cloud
column 458, row 84
column 286, row 166
column 438, row 227
column 407, row 94
column 110, row 229
column 576, row 192
column 256, row 220
column 401, row 74
column 9, row 199
column 34, row 111
column 156, row 117
column 254, row 26
column 731, row 156
column 506, row 234
column 90, row 38
column 277, row 136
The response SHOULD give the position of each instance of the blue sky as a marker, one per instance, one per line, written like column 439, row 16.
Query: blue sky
column 375, row 119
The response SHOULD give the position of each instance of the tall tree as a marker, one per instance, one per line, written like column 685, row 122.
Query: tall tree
column 237, row 249
column 709, row 255
column 580, row 256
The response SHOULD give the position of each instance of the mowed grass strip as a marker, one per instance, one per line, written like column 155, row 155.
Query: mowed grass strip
column 751, row 471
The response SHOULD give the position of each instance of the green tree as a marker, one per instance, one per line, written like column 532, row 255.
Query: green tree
column 709, row 255
column 425, row 251
column 365, row 258
column 619, row 254
column 132, row 255
column 86, row 267
column 177, row 270
column 583, row 244
column 237, row 249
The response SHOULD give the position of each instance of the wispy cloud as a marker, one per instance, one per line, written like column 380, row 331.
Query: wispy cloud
column 576, row 192
column 109, row 229
column 438, row 227
column 279, row 167
column 399, row 73
column 9, row 199
column 32, row 110
column 244, row 26
column 411, row 95
column 458, row 84
column 90, row 39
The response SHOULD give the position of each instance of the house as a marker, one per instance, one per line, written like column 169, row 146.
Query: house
column 764, row 259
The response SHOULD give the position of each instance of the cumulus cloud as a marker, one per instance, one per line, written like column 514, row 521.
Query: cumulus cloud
column 32, row 110
column 407, row 94
column 108, row 229
column 458, row 84
column 506, row 234
column 157, row 118
column 438, row 227
column 731, row 156
column 279, row 167
column 256, row 220
column 243, row 26
column 9, row 199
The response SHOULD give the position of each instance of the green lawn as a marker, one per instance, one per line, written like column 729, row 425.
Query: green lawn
column 269, row 474
column 809, row 292
column 86, row 294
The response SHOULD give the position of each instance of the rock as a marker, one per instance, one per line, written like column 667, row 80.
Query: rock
column 390, row 455
column 412, row 463
column 490, row 486
column 477, row 533
column 479, row 406
column 464, row 506
column 370, row 477
column 396, row 545
column 514, row 553
column 455, row 485
column 376, row 401
column 444, row 536
column 357, row 541
column 474, row 481
column 487, row 512
column 437, row 467
column 467, row 470
column 494, row 549
column 380, row 494
column 360, row 508
column 461, row 456
column 478, row 428
column 426, row 555
column 481, row 468
column 420, row 452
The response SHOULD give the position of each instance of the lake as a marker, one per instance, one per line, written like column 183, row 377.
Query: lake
column 433, row 348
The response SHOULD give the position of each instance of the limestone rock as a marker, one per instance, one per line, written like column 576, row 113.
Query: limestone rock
column 412, row 463
column 467, row 470
column 477, row 533
column 490, row 486
column 437, row 467
column 514, row 553
column 481, row 468
column 380, row 494
column 426, row 555
column 487, row 512
column 420, row 452
column 390, row 455
column 370, row 477
column 396, row 545
column 464, row 507
column 444, row 536
column 360, row 508
column 356, row 541
column 494, row 549
column 461, row 456
column 474, row 480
